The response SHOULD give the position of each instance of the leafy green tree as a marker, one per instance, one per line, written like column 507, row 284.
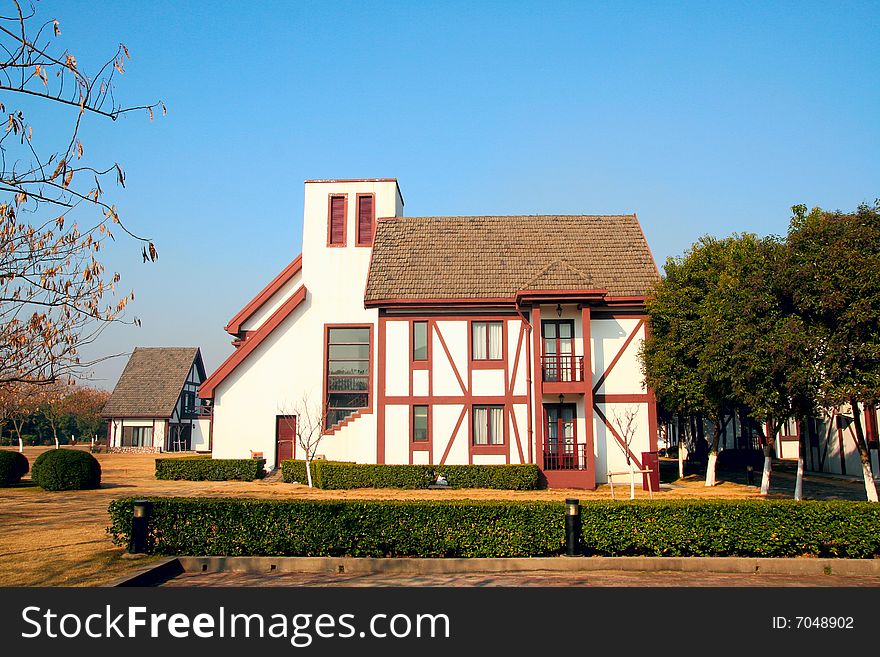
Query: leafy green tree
column 688, row 375
column 834, row 276
column 758, row 335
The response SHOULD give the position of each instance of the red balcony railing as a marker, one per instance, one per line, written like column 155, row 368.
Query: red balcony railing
column 562, row 368
column 565, row 456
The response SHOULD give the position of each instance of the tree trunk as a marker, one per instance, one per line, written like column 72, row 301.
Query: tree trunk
column 799, row 479
column 713, row 453
column 864, row 454
column 632, row 481
column 309, row 471
column 20, row 445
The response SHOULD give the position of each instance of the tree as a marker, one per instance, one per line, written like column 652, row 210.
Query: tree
column 627, row 427
column 834, row 274
column 311, row 417
column 55, row 220
column 84, row 406
column 757, row 335
column 21, row 401
column 678, row 361
column 51, row 403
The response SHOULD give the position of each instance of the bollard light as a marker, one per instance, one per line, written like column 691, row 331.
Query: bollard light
column 140, row 519
column 572, row 527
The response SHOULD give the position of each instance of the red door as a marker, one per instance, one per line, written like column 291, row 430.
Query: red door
column 285, row 435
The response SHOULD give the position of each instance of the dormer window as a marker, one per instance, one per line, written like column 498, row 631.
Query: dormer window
column 366, row 215
column 336, row 220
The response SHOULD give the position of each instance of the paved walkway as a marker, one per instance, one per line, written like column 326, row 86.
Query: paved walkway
column 596, row 578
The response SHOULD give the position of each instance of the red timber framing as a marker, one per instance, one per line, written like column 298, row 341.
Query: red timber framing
column 337, row 234
column 642, row 398
column 513, row 435
column 206, row 390
column 234, row 325
column 366, row 219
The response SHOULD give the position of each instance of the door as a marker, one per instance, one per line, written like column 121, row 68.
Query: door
column 285, row 435
column 559, row 451
column 558, row 356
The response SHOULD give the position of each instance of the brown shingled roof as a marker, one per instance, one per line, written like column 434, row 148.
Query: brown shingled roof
column 151, row 382
column 496, row 257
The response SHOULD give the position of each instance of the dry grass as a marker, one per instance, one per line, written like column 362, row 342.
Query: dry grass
column 52, row 539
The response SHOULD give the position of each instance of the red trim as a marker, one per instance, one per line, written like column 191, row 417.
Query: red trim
column 617, row 357
column 589, row 438
column 361, row 411
column 234, row 325
column 487, row 363
column 380, row 391
column 357, row 234
column 421, row 445
column 537, row 349
column 206, row 389
column 554, row 295
column 447, row 400
column 433, row 303
column 344, row 242
column 625, row 301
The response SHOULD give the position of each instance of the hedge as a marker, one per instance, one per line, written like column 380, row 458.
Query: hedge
column 66, row 469
column 13, row 466
column 337, row 475
column 204, row 468
column 747, row 528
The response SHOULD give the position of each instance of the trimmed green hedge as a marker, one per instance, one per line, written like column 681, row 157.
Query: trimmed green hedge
column 335, row 475
column 13, row 466
column 762, row 528
column 66, row 469
column 204, row 468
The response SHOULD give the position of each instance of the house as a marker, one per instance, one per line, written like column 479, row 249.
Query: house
column 154, row 406
column 445, row 340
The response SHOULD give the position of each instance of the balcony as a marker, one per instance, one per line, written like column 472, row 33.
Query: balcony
column 565, row 457
column 562, row 373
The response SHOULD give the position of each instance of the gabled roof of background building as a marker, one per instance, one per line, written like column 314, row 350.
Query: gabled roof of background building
column 496, row 257
column 151, row 382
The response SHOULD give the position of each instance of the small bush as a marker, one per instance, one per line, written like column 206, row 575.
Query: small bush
column 335, row 475
column 385, row 528
column 204, row 468
column 13, row 466
column 66, row 469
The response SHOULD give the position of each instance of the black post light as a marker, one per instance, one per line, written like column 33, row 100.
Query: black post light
column 572, row 527
column 140, row 518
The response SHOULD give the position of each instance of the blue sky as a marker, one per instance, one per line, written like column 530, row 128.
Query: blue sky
column 701, row 117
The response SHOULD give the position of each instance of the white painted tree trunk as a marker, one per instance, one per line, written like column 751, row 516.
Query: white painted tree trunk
column 870, row 486
column 632, row 482
column 765, row 478
column 309, row 472
column 20, row 444
column 799, row 481
column 682, row 455
column 56, row 442
column 710, row 469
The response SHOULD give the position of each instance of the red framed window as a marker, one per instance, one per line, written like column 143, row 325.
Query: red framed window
column 348, row 372
column 420, row 424
column 366, row 215
column 487, row 339
column 488, row 425
column 336, row 230
column 420, row 341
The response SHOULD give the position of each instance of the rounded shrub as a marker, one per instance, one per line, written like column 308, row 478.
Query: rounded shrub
column 66, row 469
column 13, row 466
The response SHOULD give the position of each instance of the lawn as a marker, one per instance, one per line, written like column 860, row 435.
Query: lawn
column 59, row 539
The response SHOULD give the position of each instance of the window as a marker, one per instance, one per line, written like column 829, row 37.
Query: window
column 488, row 425
column 420, row 424
column 366, row 218
column 337, row 220
column 487, row 338
column 420, row 341
column 137, row 436
column 348, row 372
column 189, row 402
